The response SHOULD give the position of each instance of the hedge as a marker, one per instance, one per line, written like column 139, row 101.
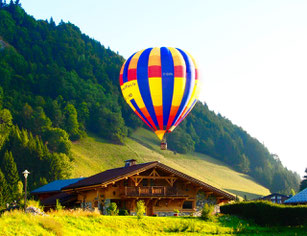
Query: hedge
column 266, row 213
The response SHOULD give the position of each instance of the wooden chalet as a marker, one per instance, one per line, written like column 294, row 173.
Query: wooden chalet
column 49, row 193
column 162, row 188
column 53, row 188
column 275, row 198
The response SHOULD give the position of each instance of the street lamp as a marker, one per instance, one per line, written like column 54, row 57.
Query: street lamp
column 25, row 174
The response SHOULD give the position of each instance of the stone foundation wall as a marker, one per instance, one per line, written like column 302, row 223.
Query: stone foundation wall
column 202, row 199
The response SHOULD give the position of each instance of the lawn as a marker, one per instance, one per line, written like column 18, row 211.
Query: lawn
column 85, row 223
column 93, row 155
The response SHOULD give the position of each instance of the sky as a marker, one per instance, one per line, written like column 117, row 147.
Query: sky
column 252, row 55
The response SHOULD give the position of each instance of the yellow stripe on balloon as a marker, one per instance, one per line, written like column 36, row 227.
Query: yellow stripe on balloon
column 155, row 85
column 154, row 57
column 179, row 86
column 134, row 60
column 177, row 57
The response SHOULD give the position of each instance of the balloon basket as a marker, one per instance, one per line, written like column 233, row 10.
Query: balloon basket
column 163, row 145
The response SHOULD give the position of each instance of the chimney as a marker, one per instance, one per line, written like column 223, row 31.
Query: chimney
column 130, row 162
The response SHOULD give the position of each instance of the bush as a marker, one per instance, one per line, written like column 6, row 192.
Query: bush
column 112, row 209
column 140, row 209
column 207, row 212
column 123, row 212
column 266, row 213
column 58, row 205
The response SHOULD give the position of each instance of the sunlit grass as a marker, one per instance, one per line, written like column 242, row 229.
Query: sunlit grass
column 93, row 155
column 80, row 222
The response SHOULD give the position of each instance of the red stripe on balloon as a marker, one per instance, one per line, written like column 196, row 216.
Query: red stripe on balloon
column 154, row 71
column 139, row 115
column 179, row 71
column 159, row 114
column 148, row 117
column 172, row 116
column 121, row 80
column 131, row 74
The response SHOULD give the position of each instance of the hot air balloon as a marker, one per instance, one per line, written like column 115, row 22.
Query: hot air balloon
column 161, row 87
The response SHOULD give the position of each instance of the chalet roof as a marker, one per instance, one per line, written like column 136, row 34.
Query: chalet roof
column 110, row 175
column 116, row 174
column 301, row 197
column 55, row 186
column 62, row 197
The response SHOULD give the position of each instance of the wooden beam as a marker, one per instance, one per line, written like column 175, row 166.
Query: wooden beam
column 154, row 173
column 153, row 177
column 137, row 180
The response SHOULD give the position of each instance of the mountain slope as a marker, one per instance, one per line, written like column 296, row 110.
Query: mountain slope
column 58, row 84
column 93, row 155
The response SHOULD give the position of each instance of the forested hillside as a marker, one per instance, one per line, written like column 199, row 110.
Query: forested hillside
column 56, row 84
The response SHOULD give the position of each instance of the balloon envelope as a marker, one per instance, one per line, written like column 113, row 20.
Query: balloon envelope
column 161, row 86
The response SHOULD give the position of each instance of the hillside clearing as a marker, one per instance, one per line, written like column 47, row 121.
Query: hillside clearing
column 93, row 155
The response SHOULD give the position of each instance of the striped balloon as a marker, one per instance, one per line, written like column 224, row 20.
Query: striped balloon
column 161, row 86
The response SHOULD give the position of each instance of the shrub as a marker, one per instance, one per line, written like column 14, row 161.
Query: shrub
column 112, row 209
column 207, row 212
column 123, row 212
column 140, row 209
column 266, row 213
column 58, row 206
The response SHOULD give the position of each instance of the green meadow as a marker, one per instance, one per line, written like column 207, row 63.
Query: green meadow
column 93, row 155
column 87, row 223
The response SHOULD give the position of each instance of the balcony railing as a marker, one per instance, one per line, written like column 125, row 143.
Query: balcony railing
column 150, row 191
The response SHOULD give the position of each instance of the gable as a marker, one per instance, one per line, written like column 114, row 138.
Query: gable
column 138, row 172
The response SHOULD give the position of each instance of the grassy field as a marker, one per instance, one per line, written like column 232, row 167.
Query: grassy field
column 85, row 223
column 93, row 155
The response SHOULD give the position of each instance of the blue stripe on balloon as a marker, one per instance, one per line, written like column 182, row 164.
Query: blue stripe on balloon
column 167, row 68
column 142, row 78
column 140, row 112
column 125, row 72
column 187, row 112
column 188, row 88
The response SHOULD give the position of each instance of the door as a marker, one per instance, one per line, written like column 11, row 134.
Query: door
column 149, row 209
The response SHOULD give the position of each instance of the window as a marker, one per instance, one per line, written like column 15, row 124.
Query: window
column 187, row 205
column 145, row 182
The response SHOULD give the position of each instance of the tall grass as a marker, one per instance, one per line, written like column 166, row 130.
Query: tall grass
column 78, row 222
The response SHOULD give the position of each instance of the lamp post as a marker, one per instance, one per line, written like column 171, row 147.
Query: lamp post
column 25, row 174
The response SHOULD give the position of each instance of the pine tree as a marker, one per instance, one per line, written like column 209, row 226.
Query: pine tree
column 3, row 189
column 11, row 174
column 71, row 122
column 303, row 184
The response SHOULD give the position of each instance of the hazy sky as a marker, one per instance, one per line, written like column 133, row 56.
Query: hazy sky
column 252, row 55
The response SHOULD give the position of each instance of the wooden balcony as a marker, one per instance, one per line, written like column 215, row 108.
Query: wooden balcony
column 152, row 191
